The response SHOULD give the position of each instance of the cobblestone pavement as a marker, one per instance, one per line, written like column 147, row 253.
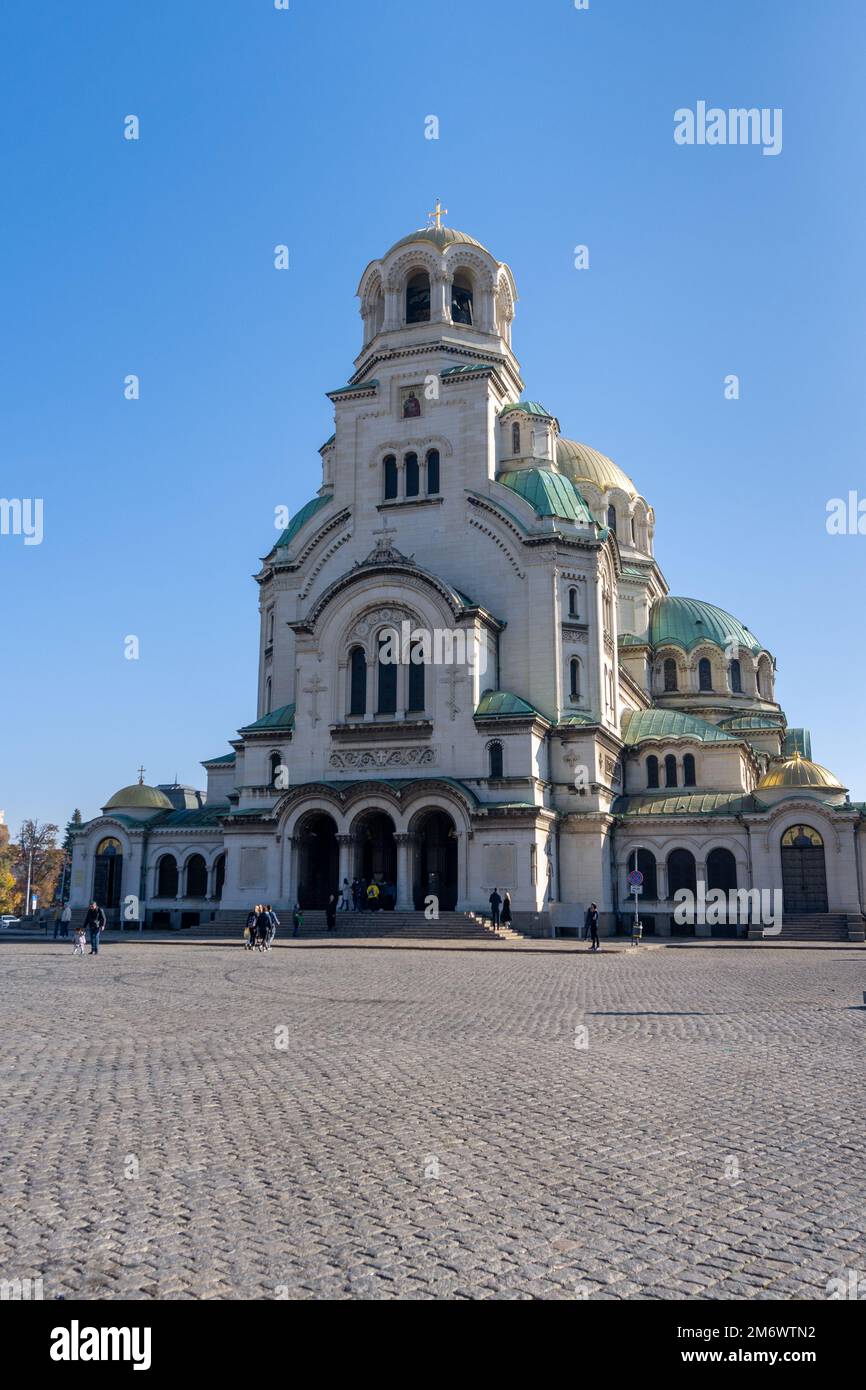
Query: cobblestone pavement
column 431, row 1128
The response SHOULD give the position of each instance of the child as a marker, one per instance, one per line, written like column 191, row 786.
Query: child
column 78, row 943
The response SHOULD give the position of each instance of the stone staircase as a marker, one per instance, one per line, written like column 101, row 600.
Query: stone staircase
column 817, row 926
column 405, row 926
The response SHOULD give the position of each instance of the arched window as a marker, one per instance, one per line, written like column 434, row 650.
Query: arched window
column 670, row 770
column 646, row 864
column 515, row 437
column 574, row 679
column 219, row 876
column 721, row 870
column 633, row 532
column 736, row 677
column 276, row 763
column 357, row 682
column 387, row 667
column 166, row 877
column 652, row 770
column 268, row 690
column 689, row 779
column 461, row 298
column 759, row 681
column 389, row 468
column 611, row 518
column 572, row 603
column 681, row 871
column 494, row 754
column 270, row 626
column 705, row 674
column 413, row 475
column 416, row 677
column 418, row 298
column 196, row 877
column 432, row 471
column 670, row 670
column 108, row 872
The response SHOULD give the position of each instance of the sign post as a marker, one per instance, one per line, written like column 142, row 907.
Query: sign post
column 635, row 881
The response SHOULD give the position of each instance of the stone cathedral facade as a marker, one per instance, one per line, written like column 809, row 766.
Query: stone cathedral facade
column 472, row 673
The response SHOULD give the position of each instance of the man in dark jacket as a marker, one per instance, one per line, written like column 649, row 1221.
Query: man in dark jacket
column 331, row 912
column 94, row 923
column 591, row 925
column 495, row 904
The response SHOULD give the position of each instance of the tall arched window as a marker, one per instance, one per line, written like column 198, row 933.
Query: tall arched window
column 358, row 682
column 574, row 679
column 220, row 875
column 670, row 770
column 611, row 518
column 689, row 779
column 389, row 468
column 196, row 877
column 387, row 669
column 108, row 872
column 276, row 763
column 461, row 298
column 646, row 864
column 515, row 437
column 670, row 672
column 682, row 871
column 721, row 870
column 736, row 677
column 413, row 475
column 652, row 770
column 494, row 754
column 268, row 692
column 166, row 877
column 416, row 678
column 572, row 603
column 705, row 674
column 418, row 298
column 432, row 471
column 759, row 681
column 270, row 627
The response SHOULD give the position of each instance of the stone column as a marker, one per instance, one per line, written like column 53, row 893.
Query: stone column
column 440, row 306
column 392, row 309
column 404, row 901
column 294, row 859
column 344, row 845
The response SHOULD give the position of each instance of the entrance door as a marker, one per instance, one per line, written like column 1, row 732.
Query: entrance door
column 108, row 873
column 435, row 860
column 318, row 861
column 804, row 872
column 377, row 852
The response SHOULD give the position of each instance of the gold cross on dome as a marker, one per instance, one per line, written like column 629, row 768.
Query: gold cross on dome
column 141, row 772
column 437, row 216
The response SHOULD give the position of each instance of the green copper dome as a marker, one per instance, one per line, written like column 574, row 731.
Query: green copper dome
column 440, row 237
column 686, row 622
column 548, row 493
column 640, row 725
column 138, row 797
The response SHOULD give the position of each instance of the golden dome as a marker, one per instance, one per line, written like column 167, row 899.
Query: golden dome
column 585, row 465
column 799, row 772
column 138, row 797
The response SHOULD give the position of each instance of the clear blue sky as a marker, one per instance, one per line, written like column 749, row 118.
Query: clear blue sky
column 307, row 127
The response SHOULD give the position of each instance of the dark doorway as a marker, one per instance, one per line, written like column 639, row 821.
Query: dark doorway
column 804, row 872
column 318, row 861
column 435, row 860
column 108, row 873
column 681, row 871
column 376, row 857
column 721, row 870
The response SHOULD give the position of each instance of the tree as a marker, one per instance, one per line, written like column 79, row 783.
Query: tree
column 71, row 827
column 38, row 861
column 8, row 887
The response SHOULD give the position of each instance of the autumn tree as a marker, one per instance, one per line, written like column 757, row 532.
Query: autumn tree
column 38, row 862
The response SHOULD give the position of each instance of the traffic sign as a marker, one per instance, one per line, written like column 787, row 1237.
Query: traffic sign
column 635, row 878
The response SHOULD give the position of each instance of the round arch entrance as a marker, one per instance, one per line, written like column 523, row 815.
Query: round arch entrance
column 318, row 860
column 108, row 873
column 375, row 848
column 804, row 870
column 435, row 860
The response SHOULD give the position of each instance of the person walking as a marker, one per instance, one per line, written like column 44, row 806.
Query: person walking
column 274, row 922
column 356, row 895
column 250, row 928
column 297, row 918
column 495, row 904
column 78, row 941
column 591, row 925
column 56, row 923
column 94, row 923
column 263, row 926
column 65, row 919
column 373, row 897
column 331, row 913
column 345, row 895
column 505, row 915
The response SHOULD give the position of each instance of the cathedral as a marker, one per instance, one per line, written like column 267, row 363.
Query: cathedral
column 472, row 675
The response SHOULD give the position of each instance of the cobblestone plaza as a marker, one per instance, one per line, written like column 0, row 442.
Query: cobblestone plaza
column 197, row 1122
